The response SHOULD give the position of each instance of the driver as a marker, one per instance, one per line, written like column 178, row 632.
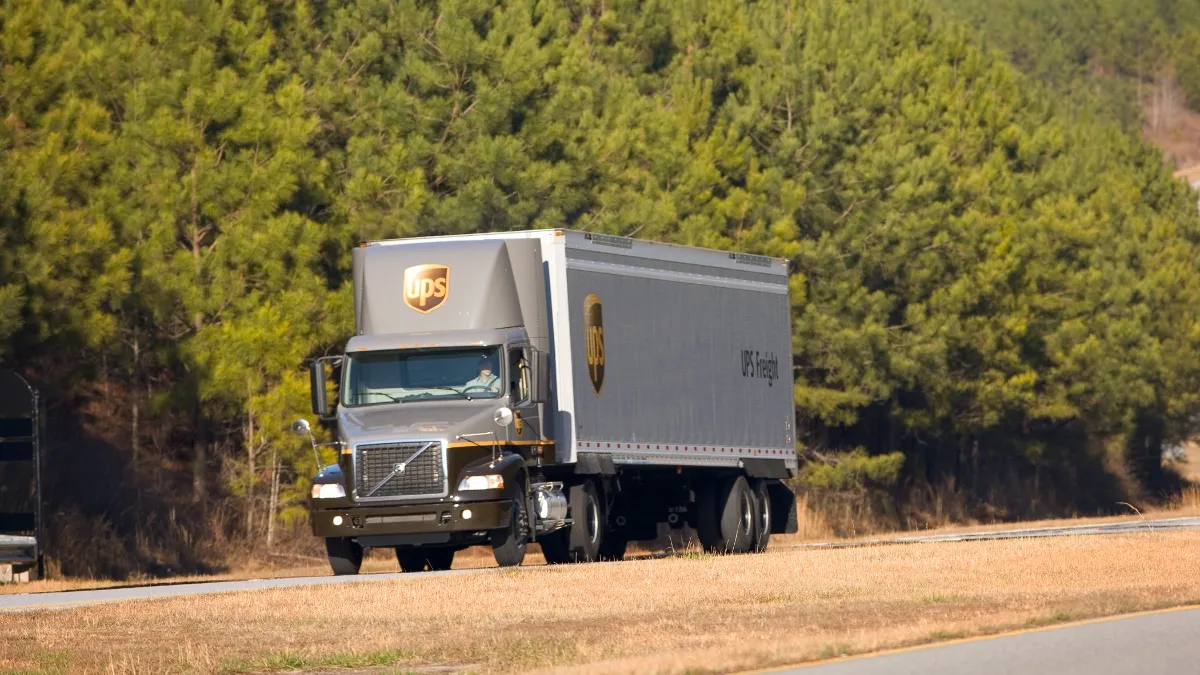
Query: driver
column 487, row 378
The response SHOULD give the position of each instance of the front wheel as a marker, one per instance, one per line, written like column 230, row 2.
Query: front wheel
column 345, row 555
column 509, row 544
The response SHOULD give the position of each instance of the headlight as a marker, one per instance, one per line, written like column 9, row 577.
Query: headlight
column 328, row 491
column 488, row 482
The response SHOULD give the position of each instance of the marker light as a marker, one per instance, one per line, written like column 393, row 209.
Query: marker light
column 337, row 520
column 328, row 491
column 467, row 514
column 489, row 482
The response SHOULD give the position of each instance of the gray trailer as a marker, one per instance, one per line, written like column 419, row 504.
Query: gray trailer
column 573, row 389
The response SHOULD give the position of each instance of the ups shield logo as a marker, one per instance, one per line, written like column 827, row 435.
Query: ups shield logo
column 426, row 287
column 593, row 330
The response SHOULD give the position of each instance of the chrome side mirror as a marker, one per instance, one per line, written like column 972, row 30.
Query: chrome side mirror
column 503, row 417
column 303, row 429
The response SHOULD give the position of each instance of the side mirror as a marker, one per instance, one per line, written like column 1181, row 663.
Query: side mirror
column 540, row 382
column 316, row 382
column 503, row 417
column 301, row 428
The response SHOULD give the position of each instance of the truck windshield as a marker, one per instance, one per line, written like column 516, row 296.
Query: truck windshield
column 372, row 378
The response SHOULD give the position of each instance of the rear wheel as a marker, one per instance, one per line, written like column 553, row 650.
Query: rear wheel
column 420, row 559
column 345, row 555
column 587, row 523
column 725, row 515
column 762, row 515
column 737, row 517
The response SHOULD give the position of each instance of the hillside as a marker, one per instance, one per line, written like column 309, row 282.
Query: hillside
column 1135, row 62
column 994, row 286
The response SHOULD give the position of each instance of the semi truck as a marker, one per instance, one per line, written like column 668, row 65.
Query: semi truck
column 575, row 390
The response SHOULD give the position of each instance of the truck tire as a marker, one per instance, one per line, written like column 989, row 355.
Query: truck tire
column 345, row 555
column 420, row 559
column 737, row 515
column 762, row 515
column 725, row 516
column 587, row 523
column 509, row 544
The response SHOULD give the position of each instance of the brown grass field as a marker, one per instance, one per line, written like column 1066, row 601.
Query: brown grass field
column 689, row 614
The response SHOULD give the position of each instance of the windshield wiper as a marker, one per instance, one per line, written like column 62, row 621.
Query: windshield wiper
column 380, row 393
column 466, row 396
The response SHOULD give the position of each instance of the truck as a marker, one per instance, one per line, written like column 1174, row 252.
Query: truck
column 575, row 390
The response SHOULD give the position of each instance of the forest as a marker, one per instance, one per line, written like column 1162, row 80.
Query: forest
column 994, row 277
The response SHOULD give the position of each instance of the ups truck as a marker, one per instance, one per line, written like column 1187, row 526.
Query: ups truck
column 571, row 389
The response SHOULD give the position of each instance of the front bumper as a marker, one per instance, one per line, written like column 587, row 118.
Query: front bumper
column 434, row 518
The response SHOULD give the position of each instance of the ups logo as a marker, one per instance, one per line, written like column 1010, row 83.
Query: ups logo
column 593, row 330
column 426, row 287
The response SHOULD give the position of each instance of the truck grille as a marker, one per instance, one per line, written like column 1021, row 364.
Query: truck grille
column 422, row 476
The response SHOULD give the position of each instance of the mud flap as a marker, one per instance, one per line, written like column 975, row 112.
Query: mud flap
column 783, row 508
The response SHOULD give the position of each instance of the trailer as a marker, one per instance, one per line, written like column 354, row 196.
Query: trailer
column 572, row 389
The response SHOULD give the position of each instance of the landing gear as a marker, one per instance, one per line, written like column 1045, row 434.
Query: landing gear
column 345, row 555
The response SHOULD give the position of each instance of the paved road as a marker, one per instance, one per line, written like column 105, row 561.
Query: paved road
column 1157, row 525
column 64, row 599
column 1165, row 642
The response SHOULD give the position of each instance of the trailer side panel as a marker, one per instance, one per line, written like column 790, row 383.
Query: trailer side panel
column 679, row 356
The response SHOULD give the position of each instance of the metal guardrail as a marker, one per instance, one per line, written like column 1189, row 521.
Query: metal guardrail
column 18, row 550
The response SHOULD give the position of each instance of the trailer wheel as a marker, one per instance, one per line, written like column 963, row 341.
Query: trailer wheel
column 420, row 559
column 509, row 544
column 345, row 555
column 762, row 515
column 587, row 523
column 725, row 521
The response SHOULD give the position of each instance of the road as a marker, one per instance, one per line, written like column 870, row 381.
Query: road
column 65, row 599
column 1160, row 642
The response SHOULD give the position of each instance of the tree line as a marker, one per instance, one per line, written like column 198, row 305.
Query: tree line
column 984, row 280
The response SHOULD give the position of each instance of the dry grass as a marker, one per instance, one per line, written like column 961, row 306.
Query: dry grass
column 694, row 613
column 377, row 560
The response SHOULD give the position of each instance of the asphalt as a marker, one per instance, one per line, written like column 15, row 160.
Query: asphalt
column 17, row 602
column 1165, row 642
